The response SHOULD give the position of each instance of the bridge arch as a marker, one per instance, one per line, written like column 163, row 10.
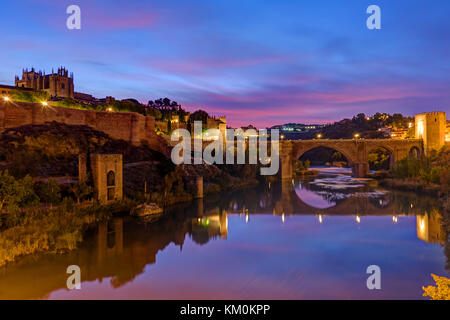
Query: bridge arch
column 414, row 152
column 299, row 151
column 372, row 149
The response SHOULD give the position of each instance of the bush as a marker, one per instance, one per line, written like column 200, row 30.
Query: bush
column 29, row 96
column 15, row 193
column 441, row 291
column 381, row 174
column 419, row 168
column 49, row 193
column 81, row 190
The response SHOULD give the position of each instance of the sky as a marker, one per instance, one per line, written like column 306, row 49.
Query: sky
column 256, row 62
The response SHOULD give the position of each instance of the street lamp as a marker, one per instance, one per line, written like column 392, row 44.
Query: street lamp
column 356, row 135
column 319, row 136
column 44, row 103
column 6, row 98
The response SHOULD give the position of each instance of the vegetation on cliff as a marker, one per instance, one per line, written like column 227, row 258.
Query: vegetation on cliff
column 429, row 174
column 433, row 169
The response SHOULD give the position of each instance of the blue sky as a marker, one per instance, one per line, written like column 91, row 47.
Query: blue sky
column 259, row 62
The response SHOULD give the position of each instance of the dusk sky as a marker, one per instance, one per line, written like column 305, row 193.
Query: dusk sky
column 257, row 62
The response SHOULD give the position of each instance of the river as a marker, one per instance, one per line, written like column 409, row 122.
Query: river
column 294, row 240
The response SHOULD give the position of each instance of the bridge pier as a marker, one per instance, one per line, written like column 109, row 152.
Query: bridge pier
column 360, row 169
column 286, row 160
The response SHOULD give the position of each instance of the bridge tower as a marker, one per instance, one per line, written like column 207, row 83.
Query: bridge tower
column 430, row 127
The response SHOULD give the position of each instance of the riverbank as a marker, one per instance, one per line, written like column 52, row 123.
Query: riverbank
column 410, row 185
column 60, row 229
column 57, row 230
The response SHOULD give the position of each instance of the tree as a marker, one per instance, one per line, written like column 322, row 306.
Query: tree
column 307, row 164
column 14, row 192
column 50, row 192
column 441, row 291
column 81, row 190
column 200, row 115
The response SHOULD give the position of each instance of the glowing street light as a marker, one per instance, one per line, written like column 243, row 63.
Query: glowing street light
column 356, row 135
column 44, row 103
column 109, row 109
column 319, row 136
column 6, row 98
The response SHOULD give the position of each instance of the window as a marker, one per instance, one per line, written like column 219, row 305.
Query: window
column 110, row 179
column 110, row 185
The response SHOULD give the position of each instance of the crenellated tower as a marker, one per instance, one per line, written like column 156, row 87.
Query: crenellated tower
column 430, row 127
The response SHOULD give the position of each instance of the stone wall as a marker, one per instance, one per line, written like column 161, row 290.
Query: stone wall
column 131, row 127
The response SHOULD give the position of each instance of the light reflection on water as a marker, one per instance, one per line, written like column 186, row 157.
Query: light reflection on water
column 296, row 240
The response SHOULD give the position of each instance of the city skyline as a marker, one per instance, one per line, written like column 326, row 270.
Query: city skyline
column 260, row 64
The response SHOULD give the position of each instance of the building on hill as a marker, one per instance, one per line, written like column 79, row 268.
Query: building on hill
column 91, row 100
column 58, row 84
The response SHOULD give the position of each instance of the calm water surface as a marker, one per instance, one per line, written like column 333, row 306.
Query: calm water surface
column 294, row 240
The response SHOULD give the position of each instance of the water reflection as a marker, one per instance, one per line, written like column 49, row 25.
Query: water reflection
column 430, row 228
column 125, row 251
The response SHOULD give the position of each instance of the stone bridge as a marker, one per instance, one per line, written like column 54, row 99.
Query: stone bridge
column 356, row 151
column 429, row 132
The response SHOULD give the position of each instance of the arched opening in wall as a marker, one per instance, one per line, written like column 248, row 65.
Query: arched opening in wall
column 325, row 156
column 414, row 152
column 379, row 159
column 111, row 185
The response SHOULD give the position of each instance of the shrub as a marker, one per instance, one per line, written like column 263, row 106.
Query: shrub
column 49, row 192
column 15, row 193
column 441, row 291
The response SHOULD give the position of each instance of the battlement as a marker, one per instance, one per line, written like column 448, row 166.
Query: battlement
column 432, row 113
